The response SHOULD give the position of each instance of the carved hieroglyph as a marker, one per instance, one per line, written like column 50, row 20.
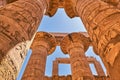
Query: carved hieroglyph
column 43, row 45
column 19, row 22
column 103, row 26
column 75, row 44
column 11, row 64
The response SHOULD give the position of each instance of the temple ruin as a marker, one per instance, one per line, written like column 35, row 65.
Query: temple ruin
column 20, row 19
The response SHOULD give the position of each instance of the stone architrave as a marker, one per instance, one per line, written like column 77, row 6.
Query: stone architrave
column 57, row 62
column 43, row 45
column 75, row 44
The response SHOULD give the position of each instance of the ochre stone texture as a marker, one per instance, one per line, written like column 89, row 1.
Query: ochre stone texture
column 11, row 64
column 69, row 77
column 56, row 64
column 55, row 68
column 18, row 24
column 66, row 4
column 60, row 36
column 43, row 44
column 97, row 65
column 103, row 26
column 75, row 44
column 20, row 19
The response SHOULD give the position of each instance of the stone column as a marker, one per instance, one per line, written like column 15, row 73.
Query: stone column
column 103, row 25
column 55, row 68
column 75, row 45
column 43, row 45
column 19, row 22
column 97, row 65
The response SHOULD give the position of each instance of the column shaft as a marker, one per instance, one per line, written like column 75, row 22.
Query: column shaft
column 55, row 68
column 19, row 22
column 79, row 64
column 35, row 69
column 43, row 45
column 103, row 25
column 99, row 68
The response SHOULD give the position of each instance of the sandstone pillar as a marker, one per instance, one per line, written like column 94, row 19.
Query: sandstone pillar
column 55, row 68
column 97, row 65
column 103, row 25
column 99, row 68
column 75, row 45
column 43, row 44
column 19, row 22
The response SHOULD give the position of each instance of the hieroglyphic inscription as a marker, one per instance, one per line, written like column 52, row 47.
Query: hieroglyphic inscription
column 12, row 62
column 19, row 22
column 7, row 69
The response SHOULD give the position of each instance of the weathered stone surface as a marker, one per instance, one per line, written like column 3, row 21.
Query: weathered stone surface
column 68, row 5
column 69, row 77
column 60, row 36
column 90, row 60
column 113, row 2
column 20, row 19
column 55, row 68
column 11, row 64
column 43, row 44
column 75, row 44
column 57, row 62
column 102, row 23
column 2, row 3
column 97, row 65
column 19, row 22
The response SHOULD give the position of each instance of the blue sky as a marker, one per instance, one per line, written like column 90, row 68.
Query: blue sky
column 60, row 22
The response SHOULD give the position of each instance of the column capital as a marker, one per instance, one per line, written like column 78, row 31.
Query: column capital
column 73, row 40
column 68, row 5
column 46, row 40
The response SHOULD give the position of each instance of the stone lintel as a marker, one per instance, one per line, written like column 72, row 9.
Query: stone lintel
column 60, row 36
column 63, row 60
